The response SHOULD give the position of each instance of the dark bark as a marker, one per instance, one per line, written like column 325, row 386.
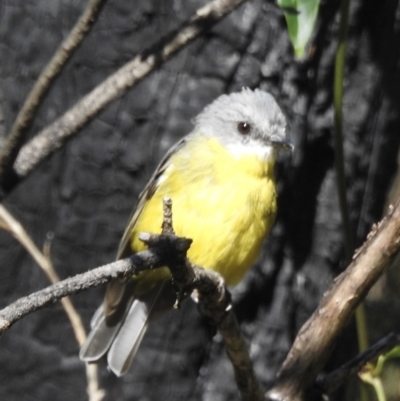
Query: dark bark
column 84, row 193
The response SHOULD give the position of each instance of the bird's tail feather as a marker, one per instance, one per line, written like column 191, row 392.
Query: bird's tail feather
column 129, row 337
column 99, row 339
column 122, row 340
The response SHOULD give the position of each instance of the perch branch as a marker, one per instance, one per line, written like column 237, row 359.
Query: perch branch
column 78, row 283
column 316, row 338
column 163, row 250
column 55, row 135
column 215, row 301
column 16, row 137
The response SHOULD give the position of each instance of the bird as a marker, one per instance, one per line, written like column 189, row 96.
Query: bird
column 220, row 178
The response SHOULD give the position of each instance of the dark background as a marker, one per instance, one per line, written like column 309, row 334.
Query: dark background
column 84, row 193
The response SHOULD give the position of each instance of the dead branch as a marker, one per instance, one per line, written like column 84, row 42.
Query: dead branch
column 315, row 340
column 16, row 137
column 215, row 301
column 93, row 278
column 56, row 134
column 164, row 250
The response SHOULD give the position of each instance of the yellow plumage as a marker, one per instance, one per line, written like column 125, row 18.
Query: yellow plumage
column 226, row 204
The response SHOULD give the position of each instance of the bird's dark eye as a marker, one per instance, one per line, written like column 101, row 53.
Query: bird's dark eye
column 244, row 128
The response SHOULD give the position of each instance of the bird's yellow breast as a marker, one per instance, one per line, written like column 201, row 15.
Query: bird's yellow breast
column 225, row 203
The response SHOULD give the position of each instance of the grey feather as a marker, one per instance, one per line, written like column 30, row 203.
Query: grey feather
column 97, row 316
column 130, row 335
column 100, row 338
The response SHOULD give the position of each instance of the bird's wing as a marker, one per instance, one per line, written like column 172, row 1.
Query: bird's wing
column 119, row 292
column 124, row 249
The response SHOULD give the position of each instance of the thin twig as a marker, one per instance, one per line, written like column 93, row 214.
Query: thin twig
column 317, row 336
column 17, row 135
column 167, row 227
column 12, row 225
column 237, row 351
column 94, row 391
column 55, row 135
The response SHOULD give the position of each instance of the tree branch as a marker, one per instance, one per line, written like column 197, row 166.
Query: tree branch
column 17, row 135
column 56, row 134
column 93, row 278
column 164, row 250
column 316, row 338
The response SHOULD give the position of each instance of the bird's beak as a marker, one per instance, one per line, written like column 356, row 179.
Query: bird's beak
column 283, row 144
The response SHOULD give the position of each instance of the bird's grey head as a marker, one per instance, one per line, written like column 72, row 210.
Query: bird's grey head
column 245, row 122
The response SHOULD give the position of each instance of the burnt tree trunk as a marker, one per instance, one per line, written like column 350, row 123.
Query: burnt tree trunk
column 85, row 192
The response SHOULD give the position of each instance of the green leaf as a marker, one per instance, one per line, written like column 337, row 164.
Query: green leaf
column 300, row 18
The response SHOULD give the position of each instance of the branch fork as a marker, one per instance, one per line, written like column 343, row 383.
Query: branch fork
column 166, row 249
